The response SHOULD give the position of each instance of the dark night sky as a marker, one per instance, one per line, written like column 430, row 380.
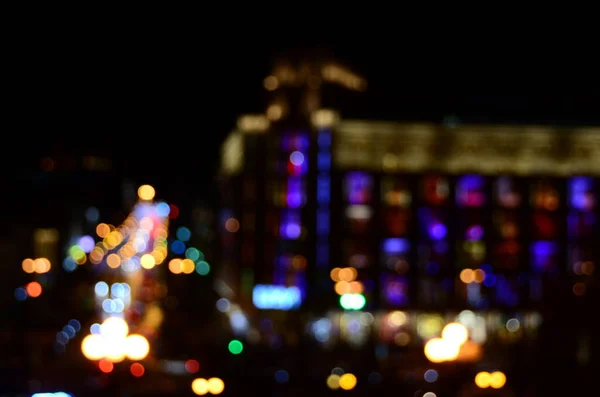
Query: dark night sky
column 171, row 103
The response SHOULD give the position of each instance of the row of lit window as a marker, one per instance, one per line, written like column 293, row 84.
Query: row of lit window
column 471, row 191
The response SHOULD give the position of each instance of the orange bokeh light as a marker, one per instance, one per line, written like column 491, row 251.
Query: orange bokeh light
column 34, row 289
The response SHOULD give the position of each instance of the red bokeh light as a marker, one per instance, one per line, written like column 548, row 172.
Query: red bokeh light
column 192, row 366
column 174, row 213
column 106, row 366
column 137, row 370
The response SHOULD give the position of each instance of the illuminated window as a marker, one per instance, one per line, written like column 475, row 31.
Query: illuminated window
column 545, row 196
column 470, row 226
column 323, row 189
column 432, row 224
column 581, row 193
column 470, row 254
column 507, row 255
column 433, row 258
column 581, row 260
column 357, row 254
column 358, row 187
column 395, row 193
column 291, row 143
column 544, row 256
column 470, row 191
column 394, row 254
column 323, row 222
column 581, row 225
column 507, row 291
column 396, row 221
column 545, row 226
column 291, row 225
column 506, row 192
column 435, row 189
column 290, row 270
column 358, row 218
column 506, row 224
column 394, row 290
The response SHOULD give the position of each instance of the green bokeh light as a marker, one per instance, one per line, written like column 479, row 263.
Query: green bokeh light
column 235, row 347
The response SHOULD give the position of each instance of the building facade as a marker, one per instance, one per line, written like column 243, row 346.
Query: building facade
column 380, row 233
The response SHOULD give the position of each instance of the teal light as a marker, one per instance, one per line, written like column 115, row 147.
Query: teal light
column 192, row 254
column 352, row 301
column 202, row 268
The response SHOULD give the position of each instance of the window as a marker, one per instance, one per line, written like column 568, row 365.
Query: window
column 506, row 192
column 432, row 224
column 435, row 189
column 394, row 290
column 291, row 225
column 395, row 193
column 507, row 292
column 470, row 191
column 581, row 193
column 544, row 256
column 507, row 255
column 358, row 218
column 357, row 254
column 545, row 226
column 394, row 255
column 358, row 188
column 506, row 224
column 396, row 221
column 545, row 196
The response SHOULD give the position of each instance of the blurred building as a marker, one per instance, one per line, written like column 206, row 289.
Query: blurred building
column 381, row 233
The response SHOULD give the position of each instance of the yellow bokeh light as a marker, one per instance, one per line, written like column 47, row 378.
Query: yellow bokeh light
column 188, row 266
column 482, row 380
column 114, row 349
column 146, row 192
column 92, row 347
column 42, row 265
column 147, row 261
column 347, row 381
column 175, row 266
column 215, row 386
column 136, row 347
column 200, row 386
column 28, row 265
column 397, row 318
column 455, row 333
column 114, row 328
column 333, row 381
column 438, row 350
column 497, row 380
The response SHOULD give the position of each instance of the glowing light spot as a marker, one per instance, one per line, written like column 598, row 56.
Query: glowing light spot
column 146, row 192
column 34, row 289
column 235, row 347
column 232, row 225
column 137, row 370
column 147, row 261
column 28, row 265
column 347, row 381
